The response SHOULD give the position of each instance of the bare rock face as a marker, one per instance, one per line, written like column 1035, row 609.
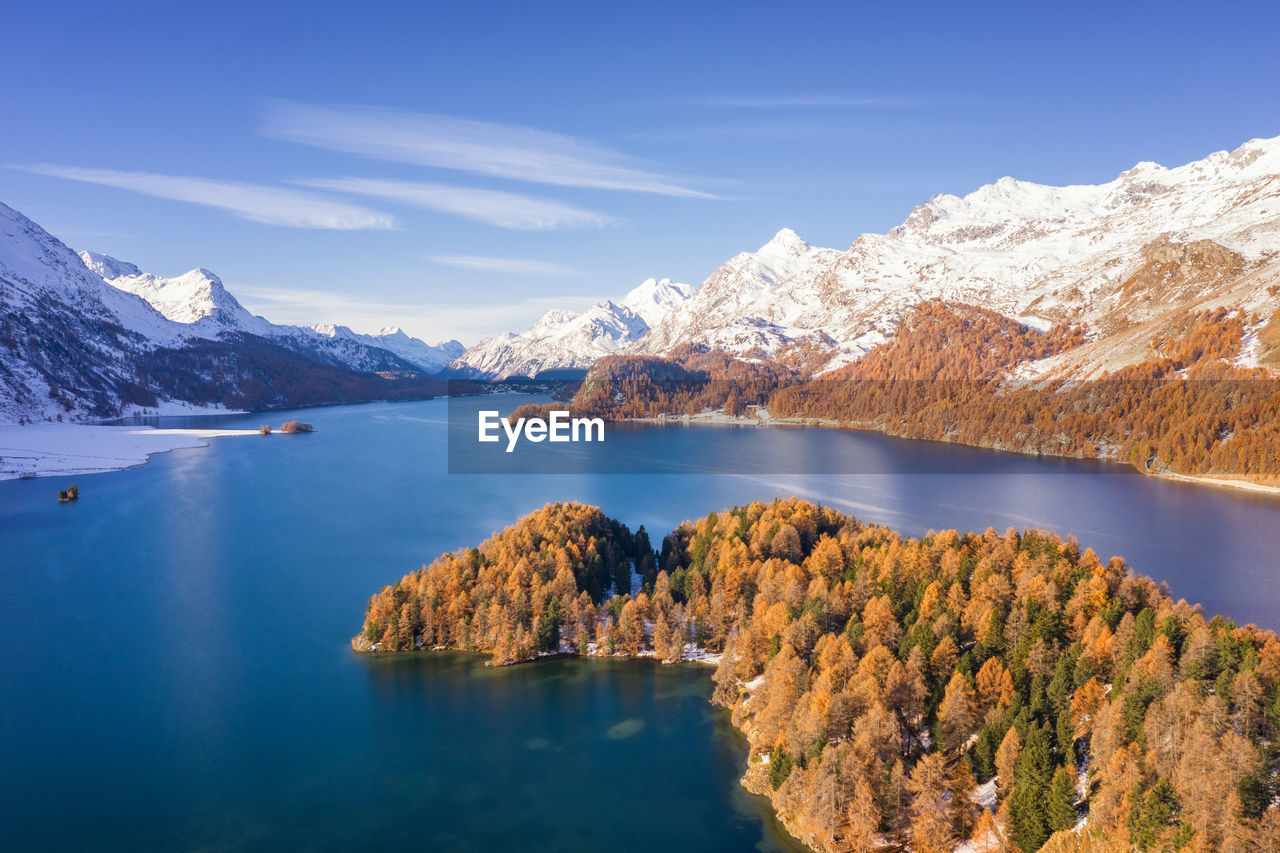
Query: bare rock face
column 1170, row 274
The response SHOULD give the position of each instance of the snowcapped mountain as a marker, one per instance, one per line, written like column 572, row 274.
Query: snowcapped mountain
column 1037, row 253
column 67, row 337
column 198, row 300
column 427, row 357
column 736, row 308
column 653, row 299
column 567, row 341
column 74, row 346
column 108, row 267
column 1128, row 257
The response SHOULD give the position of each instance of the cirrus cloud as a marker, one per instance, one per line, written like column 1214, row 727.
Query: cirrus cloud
column 506, row 210
column 255, row 202
column 466, row 145
column 511, row 266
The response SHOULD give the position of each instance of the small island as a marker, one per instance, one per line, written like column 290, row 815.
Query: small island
column 69, row 495
column 295, row 427
column 976, row 691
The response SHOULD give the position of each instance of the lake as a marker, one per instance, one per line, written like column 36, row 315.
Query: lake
column 177, row 673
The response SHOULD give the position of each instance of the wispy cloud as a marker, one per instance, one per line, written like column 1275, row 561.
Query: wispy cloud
column 506, row 210
column 467, row 145
column 254, row 202
column 511, row 266
column 798, row 100
column 431, row 321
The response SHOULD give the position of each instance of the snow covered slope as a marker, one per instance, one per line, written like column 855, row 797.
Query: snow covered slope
column 198, row 300
column 108, row 267
column 564, row 340
column 422, row 355
column 67, row 338
column 73, row 346
column 655, row 298
column 737, row 309
column 1039, row 253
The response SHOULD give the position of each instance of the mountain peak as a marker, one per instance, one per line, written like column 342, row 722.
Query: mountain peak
column 207, row 274
column 554, row 317
column 653, row 299
column 108, row 267
column 334, row 330
column 785, row 241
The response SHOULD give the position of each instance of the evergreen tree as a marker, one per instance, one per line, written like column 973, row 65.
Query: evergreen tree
column 779, row 766
column 548, row 632
column 1061, row 805
column 1065, row 738
column 1032, row 777
column 1151, row 822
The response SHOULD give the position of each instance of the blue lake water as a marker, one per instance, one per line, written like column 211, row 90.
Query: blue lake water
column 176, row 670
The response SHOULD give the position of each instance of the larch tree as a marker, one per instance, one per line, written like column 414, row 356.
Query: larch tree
column 863, row 814
column 931, row 828
column 956, row 715
column 1007, row 761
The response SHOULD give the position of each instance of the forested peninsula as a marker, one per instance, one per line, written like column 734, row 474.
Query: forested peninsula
column 975, row 692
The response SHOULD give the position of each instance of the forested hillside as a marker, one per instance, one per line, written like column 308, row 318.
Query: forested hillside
column 254, row 373
column 951, row 373
column 691, row 380
column 1010, row 690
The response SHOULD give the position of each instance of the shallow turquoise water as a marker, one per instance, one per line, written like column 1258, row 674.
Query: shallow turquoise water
column 177, row 673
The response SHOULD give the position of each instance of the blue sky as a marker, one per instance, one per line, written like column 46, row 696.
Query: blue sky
column 457, row 168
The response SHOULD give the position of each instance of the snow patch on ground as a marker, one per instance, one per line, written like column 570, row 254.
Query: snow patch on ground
column 988, row 842
column 696, row 655
column 179, row 408
column 49, row 450
column 1250, row 347
column 985, row 795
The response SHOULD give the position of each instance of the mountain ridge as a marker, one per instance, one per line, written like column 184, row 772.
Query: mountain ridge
column 1033, row 252
column 200, row 301
column 77, row 347
column 563, row 340
column 1128, row 260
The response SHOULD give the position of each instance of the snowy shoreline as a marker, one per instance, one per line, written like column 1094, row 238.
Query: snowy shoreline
column 179, row 409
column 1222, row 482
column 55, row 450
